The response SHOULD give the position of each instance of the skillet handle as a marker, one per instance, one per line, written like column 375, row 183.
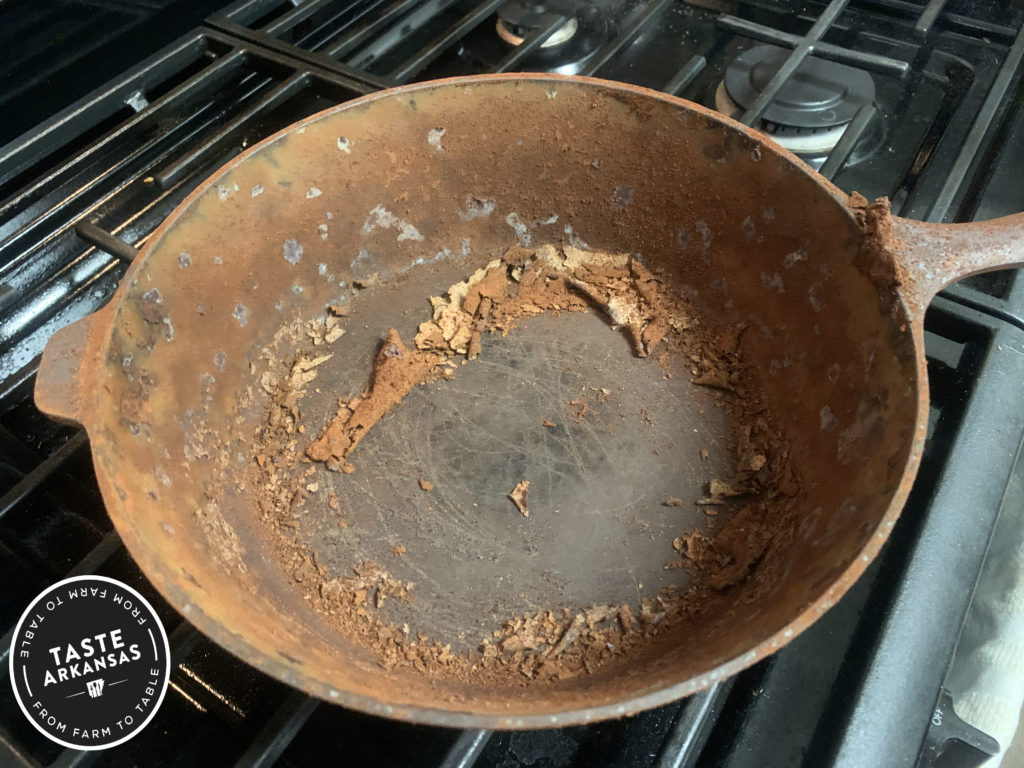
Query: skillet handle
column 63, row 387
column 934, row 255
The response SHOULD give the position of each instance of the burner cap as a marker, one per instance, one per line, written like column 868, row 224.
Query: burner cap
column 801, row 141
column 518, row 19
column 820, row 95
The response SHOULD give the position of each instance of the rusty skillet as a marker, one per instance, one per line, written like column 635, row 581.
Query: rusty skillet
column 834, row 292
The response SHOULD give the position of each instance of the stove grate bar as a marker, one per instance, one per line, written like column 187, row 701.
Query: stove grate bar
column 841, row 151
column 995, row 103
column 529, row 45
column 82, row 117
column 183, row 640
column 260, row 41
column 11, row 755
column 691, row 727
column 396, row 34
column 109, row 546
column 952, row 22
column 247, row 13
column 16, row 454
column 326, row 54
column 639, row 20
column 106, row 242
column 277, row 734
column 303, row 11
column 871, row 62
column 182, row 166
column 42, row 473
column 467, row 748
column 928, row 17
column 686, row 75
column 345, row 42
column 17, row 155
column 440, row 44
column 75, row 758
column 96, row 107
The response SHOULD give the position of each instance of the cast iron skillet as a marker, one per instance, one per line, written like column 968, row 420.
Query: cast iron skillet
column 833, row 291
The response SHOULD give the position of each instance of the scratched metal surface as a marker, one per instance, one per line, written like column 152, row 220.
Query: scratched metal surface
column 627, row 438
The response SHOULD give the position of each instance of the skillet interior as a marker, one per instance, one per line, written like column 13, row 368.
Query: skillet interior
column 744, row 230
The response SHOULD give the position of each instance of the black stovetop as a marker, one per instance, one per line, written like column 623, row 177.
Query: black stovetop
column 944, row 138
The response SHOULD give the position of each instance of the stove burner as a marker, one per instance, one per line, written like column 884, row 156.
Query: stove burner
column 810, row 113
column 519, row 19
column 570, row 47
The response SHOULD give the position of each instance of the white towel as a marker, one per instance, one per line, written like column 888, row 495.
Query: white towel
column 987, row 676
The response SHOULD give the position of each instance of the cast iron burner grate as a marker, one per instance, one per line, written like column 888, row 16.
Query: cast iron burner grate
column 78, row 194
column 810, row 114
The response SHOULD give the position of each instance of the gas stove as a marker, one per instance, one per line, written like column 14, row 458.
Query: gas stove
column 886, row 97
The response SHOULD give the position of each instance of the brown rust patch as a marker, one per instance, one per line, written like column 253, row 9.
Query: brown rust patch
column 878, row 246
